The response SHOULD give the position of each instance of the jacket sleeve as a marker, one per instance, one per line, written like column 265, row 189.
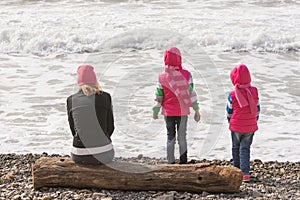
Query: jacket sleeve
column 193, row 93
column 258, row 110
column 159, row 97
column 70, row 117
column 110, row 119
column 229, row 108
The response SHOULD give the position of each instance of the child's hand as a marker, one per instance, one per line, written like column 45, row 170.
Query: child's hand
column 155, row 116
column 197, row 116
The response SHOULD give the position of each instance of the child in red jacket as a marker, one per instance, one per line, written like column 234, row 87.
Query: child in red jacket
column 242, row 113
column 175, row 94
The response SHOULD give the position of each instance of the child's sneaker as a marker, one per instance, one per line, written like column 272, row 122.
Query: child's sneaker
column 246, row 177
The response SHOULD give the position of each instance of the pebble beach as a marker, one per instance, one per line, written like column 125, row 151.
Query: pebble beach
column 269, row 180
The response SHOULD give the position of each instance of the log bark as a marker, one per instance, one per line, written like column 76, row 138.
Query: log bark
column 63, row 172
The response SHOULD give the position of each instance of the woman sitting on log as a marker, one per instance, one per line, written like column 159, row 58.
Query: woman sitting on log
column 91, row 120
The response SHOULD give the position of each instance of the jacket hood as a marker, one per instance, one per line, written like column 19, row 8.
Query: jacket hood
column 240, row 75
column 173, row 57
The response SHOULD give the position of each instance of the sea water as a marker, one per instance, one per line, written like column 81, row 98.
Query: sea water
column 43, row 42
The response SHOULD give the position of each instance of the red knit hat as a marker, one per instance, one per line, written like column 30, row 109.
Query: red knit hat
column 86, row 75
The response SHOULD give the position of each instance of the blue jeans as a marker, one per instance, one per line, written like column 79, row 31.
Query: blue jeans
column 178, row 123
column 241, row 143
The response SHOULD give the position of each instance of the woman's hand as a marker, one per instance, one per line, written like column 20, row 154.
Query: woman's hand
column 155, row 116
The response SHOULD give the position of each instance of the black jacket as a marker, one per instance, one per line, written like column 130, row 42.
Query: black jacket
column 85, row 114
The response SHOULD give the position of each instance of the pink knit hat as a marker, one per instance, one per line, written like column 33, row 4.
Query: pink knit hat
column 86, row 75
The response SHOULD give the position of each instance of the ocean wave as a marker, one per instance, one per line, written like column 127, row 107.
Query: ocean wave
column 260, row 42
column 66, row 27
column 20, row 42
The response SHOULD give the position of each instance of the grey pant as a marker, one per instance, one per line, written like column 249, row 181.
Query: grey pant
column 178, row 123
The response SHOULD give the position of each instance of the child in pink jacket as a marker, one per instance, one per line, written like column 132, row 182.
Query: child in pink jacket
column 242, row 113
column 175, row 94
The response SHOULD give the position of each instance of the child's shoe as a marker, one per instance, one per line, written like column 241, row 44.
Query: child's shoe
column 183, row 158
column 246, row 177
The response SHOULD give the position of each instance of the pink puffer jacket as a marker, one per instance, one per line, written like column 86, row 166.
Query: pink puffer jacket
column 243, row 120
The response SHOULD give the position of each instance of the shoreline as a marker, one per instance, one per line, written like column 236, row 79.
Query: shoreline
column 269, row 180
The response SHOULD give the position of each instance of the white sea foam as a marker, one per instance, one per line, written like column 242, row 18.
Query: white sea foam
column 42, row 28
column 43, row 42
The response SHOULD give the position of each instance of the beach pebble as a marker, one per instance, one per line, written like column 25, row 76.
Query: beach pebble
column 106, row 198
column 97, row 195
column 257, row 161
column 140, row 156
column 267, row 181
column 257, row 194
column 76, row 197
column 46, row 198
column 211, row 196
column 15, row 184
column 17, row 197
column 205, row 194
column 172, row 192
column 165, row 197
column 84, row 191
column 282, row 170
column 9, row 176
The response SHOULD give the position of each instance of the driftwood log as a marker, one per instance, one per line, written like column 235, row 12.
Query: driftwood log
column 63, row 172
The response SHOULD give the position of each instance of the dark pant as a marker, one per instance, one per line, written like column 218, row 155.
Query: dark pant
column 241, row 143
column 178, row 123
column 101, row 158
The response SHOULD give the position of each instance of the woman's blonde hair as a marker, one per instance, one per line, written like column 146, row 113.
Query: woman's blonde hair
column 89, row 90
